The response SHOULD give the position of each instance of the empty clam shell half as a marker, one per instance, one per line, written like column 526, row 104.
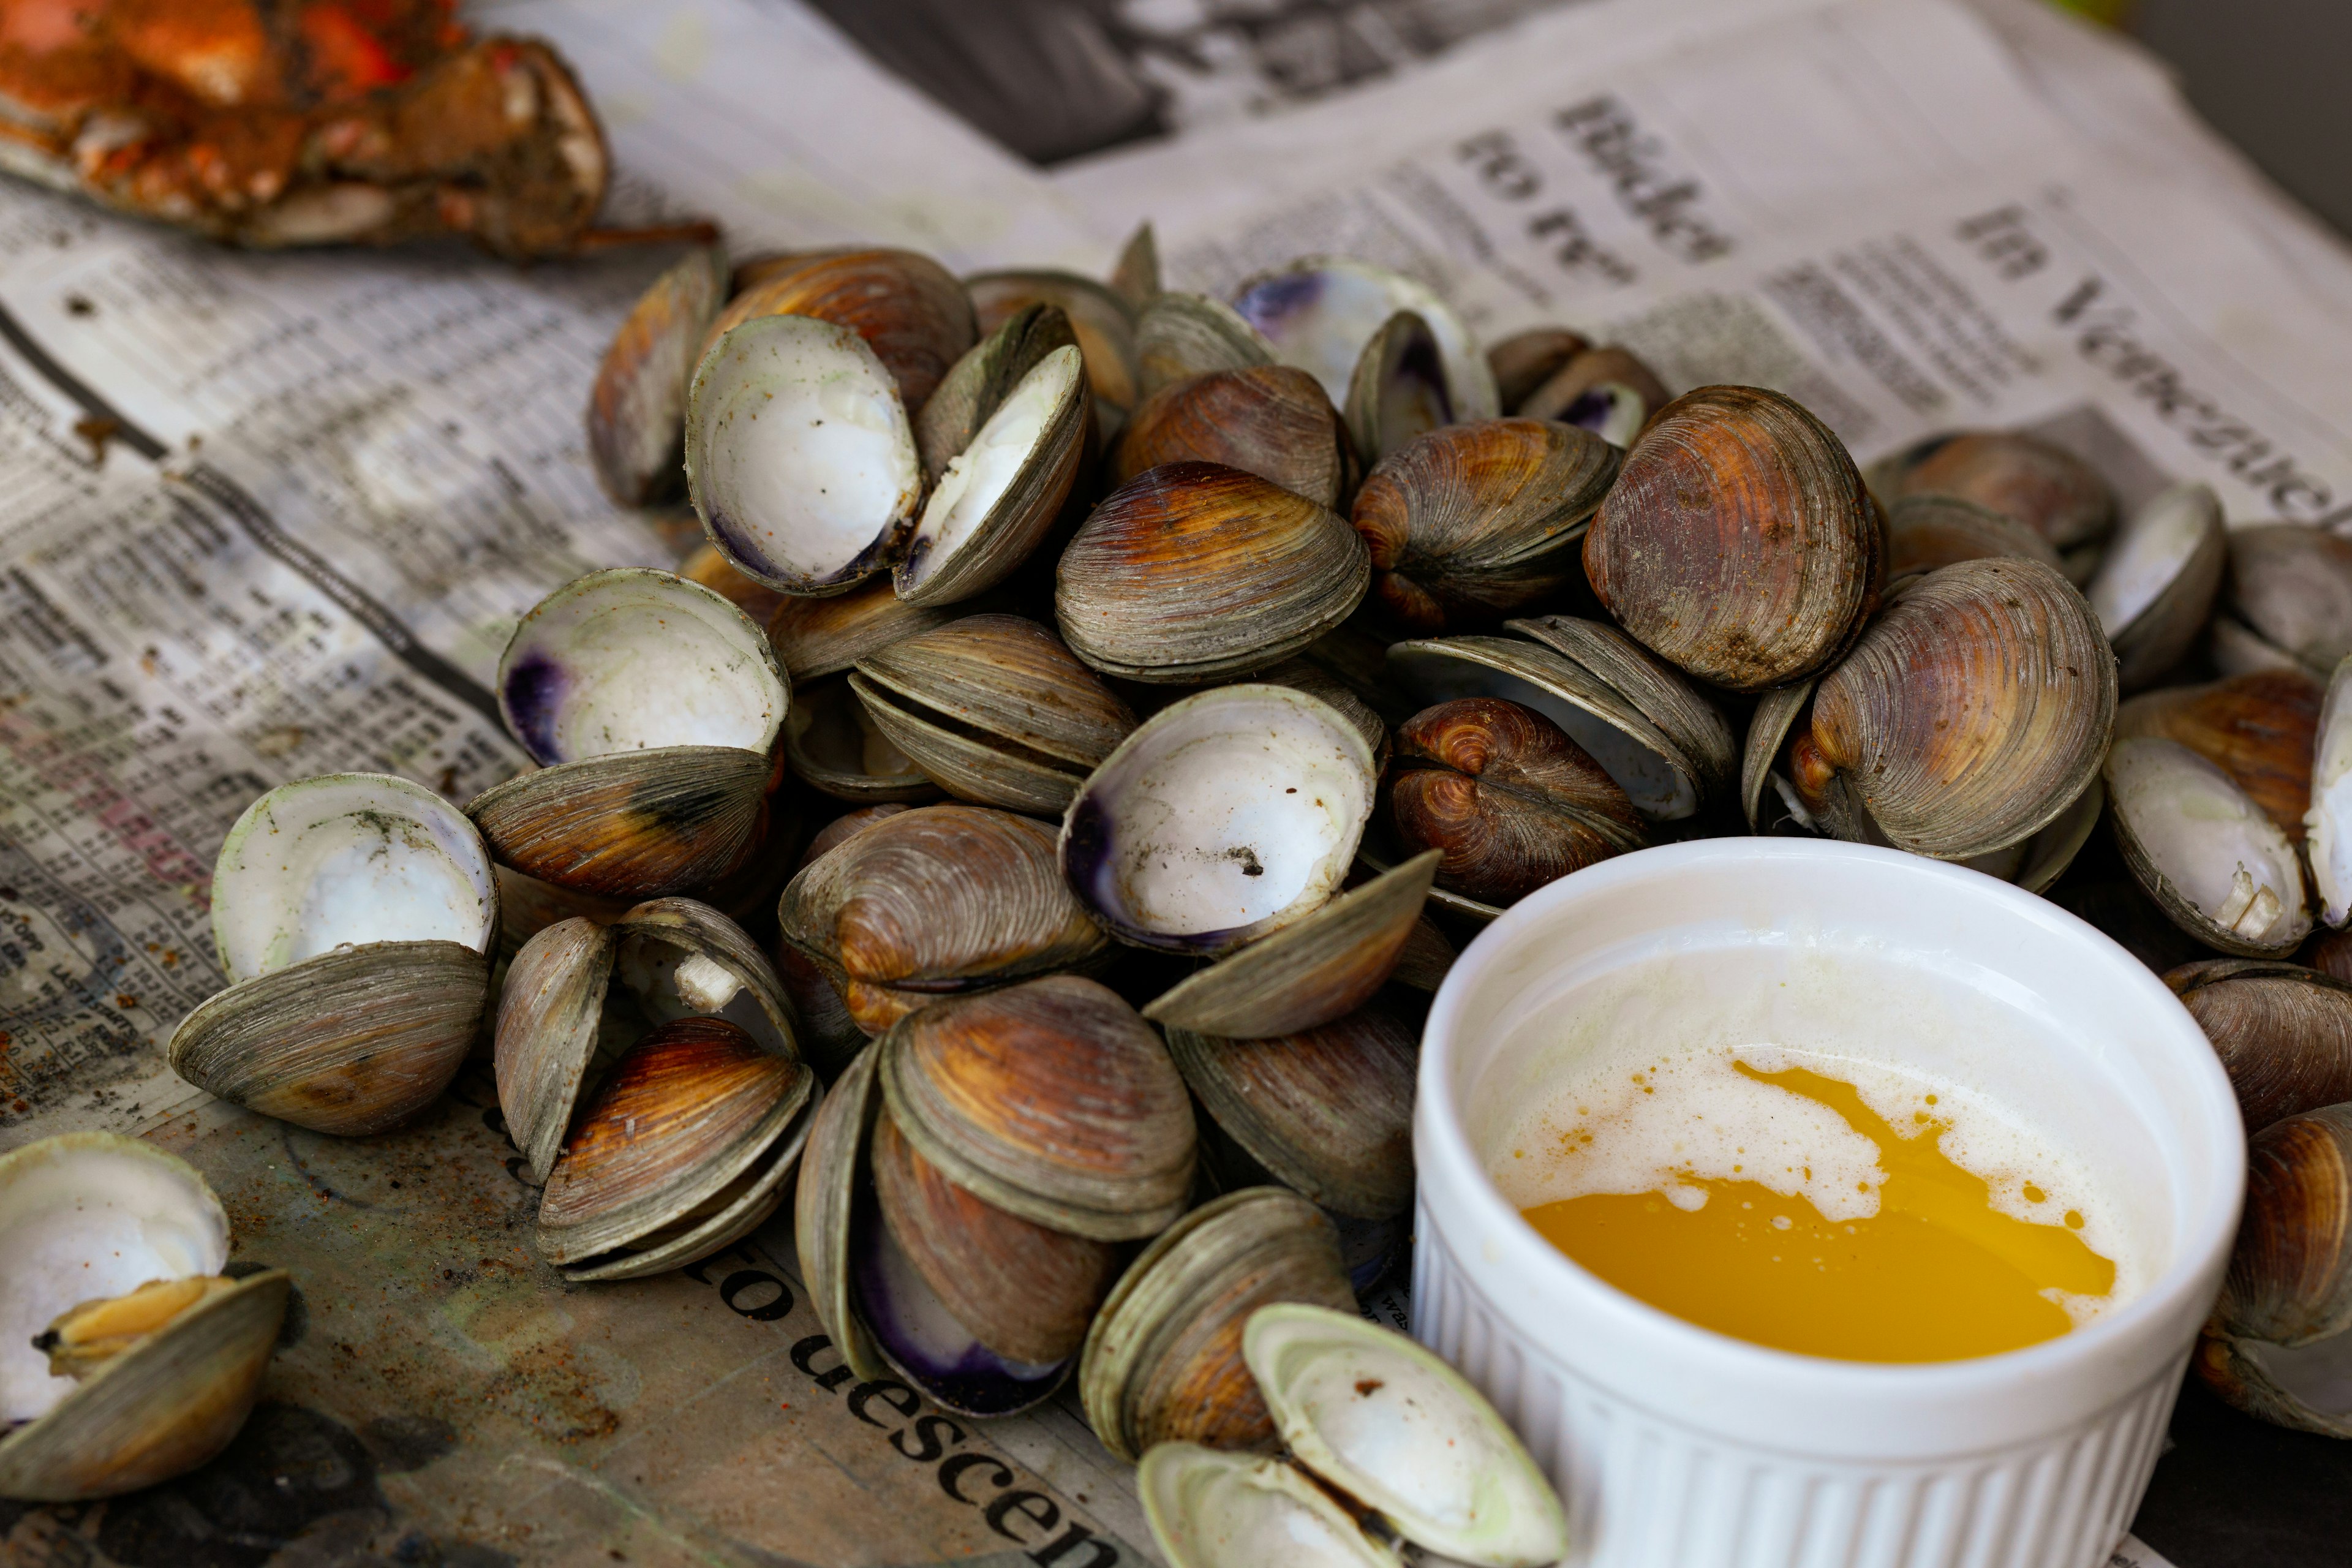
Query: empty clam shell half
column 998, row 496
column 826, row 1209
column 816, row 638
column 1321, row 311
column 1178, row 335
column 1606, row 389
column 1525, row 361
column 1102, row 322
column 909, row 309
column 799, row 455
column 89, row 1217
column 1398, row 392
column 1208, row 1509
column 2204, row 851
column 2153, row 588
column 981, row 379
column 2328, row 816
column 354, row 914
column 1222, row 819
column 2288, row 599
column 833, row 745
column 1269, row 420
column 1775, row 715
column 1163, row 1360
column 2260, row 729
column 637, row 408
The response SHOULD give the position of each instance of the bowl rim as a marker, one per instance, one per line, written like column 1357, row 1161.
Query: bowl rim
column 2202, row 1244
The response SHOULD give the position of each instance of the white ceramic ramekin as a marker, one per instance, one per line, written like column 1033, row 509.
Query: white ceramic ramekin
column 1678, row 1447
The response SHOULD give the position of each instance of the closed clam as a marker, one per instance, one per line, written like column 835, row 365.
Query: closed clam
column 1925, row 531
column 653, row 707
column 1971, row 714
column 1177, row 335
column 1271, row 420
column 1398, row 391
column 1163, row 1360
column 2276, row 1345
column 994, row 710
column 2155, row 586
column 1682, row 555
column 2203, row 849
column 1321, row 313
column 1472, row 522
column 2283, row 1033
column 2260, row 729
column 907, row 307
column 828, row 1036
column 2038, row 483
column 1222, row 819
column 1525, row 360
column 636, row 408
column 1135, row 276
column 1193, row 572
column 1101, row 322
column 125, row 1357
column 936, row 902
column 2287, row 601
column 832, row 744
column 354, row 916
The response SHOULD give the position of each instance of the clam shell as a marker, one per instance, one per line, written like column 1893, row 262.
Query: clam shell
column 2261, row 729
column 1101, row 319
column 549, row 1012
column 1398, row 392
column 1319, row 311
column 994, row 710
column 706, row 567
column 1222, row 819
column 2330, row 798
column 2291, row 586
column 1681, row 557
column 1212, row 1510
column 1525, row 361
column 1651, row 687
column 1306, row 975
column 983, row 379
column 2155, row 586
column 1472, row 522
column 636, row 406
column 1163, row 1360
column 932, row 904
column 528, row 906
column 829, row 1037
column 351, row 1042
column 1177, row 335
column 832, row 744
column 2046, row 487
column 1777, row 712
column 1972, row 712
column 825, row 1207
column 2237, row 648
column 816, row 638
column 1318, row 681
column 911, row 310
column 1925, row 531
column 1191, row 572
column 2202, row 849
column 1569, row 394
column 1269, row 420
column 1326, row 1110
column 2283, row 1033
column 633, row 824
column 1050, row 1099
column 2048, row 855
column 1135, row 277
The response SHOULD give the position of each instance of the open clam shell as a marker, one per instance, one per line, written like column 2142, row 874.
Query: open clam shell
column 1606, row 389
column 2288, row 600
column 2283, row 1033
column 1208, row 1509
column 89, row 1215
column 799, row 455
column 1472, row 522
column 994, row 710
column 1318, row 313
column 1398, row 392
column 1925, row 531
column 1306, row 975
column 933, row 903
column 1101, row 321
column 2204, row 850
column 354, row 914
column 983, row 379
column 1525, row 360
column 910, row 310
column 1269, row 420
column 2044, row 486
column 1163, row 1360
column 636, row 406
column 1347, row 1394
column 2328, row 818
column 2261, row 729
column 832, row 744
column 1193, row 572
column 2155, row 586
column 1222, row 818
column 1177, row 335
column 1769, row 728
column 1654, row 688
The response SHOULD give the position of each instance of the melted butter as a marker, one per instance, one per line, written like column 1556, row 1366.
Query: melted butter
column 1938, row 1272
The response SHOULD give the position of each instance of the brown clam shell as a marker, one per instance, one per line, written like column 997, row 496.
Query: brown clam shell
column 1654, row 688
column 2046, row 487
column 1560, row 391
column 2283, row 1033
column 1739, row 542
column 1050, row 1099
column 828, row 1036
column 826, row 1204
column 1925, row 531
column 1974, row 712
column 1472, row 522
column 633, row 824
column 1177, row 335
column 833, row 745
column 636, row 406
column 1272, row 420
column 1101, row 319
column 1525, row 361
column 2290, row 1279
column 1025, row 1291
column 2260, row 729
column 911, row 310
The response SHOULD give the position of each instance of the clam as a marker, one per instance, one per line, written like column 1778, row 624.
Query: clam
column 2202, row 849
column 1659, row 691
column 1376, row 1424
column 2283, row 1033
column 2155, row 585
column 1222, row 819
column 994, row 710
column 1135, row 276
column 816, row 638
column 1269, row 420
column 1318, row 680
column 1738, row 542
column 676, row 958
column 1507, row 797
column 2046, row 487
column 1177, row 335
column 653, row 705
column 1925, row 531
column 832, row 744
column 828, row 1036
column 2260, row 729
column 1769, row 728
column 1193, row 572
column 1398, row 391
column 1163, row 1360
column 2288, row 600
column 2275, row 1346
column 1306, row 975
column 1525, row 361
column 354, row 916
column 1321, row 311
column 682, row 1148
column 907, row 307
column 1971, row 714
column 1472, row 522
column 125, row 1358
column 1101, row 319
column 2329, row 814
column 1605, row 390
column 979, row 383
column 933, row 903
column 636, row 408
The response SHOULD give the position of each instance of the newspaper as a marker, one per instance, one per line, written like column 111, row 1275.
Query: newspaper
column 267, row 517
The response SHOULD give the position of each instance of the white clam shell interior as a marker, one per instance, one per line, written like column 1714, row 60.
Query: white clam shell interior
column 1318, row 314
column 2319, row 1373
column 1213, row 1510
column 2209, row 838
column 2329, row 820
column 632, row 660
column 84, row 1218
column 977, row 477
column 800, row 456
column 344, row 860
column 2156, row 548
